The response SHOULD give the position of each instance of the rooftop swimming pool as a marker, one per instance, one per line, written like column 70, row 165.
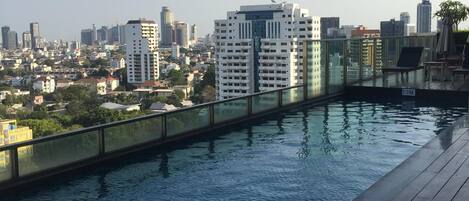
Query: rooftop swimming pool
column 329, row 152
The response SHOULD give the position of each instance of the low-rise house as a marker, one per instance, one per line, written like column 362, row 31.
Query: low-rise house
column 18, row 82
column 45, row 84
column 112, row 83
column 187, row 103
column 150, row 84
column 162, row 107
column 94, row 84
column 118, row 63
column 11, row 63
column 119, row 107
column 38, row 100
column 64, row 83
column 186, row 89
column 164, row 92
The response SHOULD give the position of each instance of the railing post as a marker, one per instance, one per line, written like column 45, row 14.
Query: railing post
column 249, row 105
column 327, row 66
column 211, row 114
column 346, row 57
column 15, row 172
column 101, row 141
column 280, row 98
column 374, row 57
column 164, row 131
column 305, row 70
column 360, row 61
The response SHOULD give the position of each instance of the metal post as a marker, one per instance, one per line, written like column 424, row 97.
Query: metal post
column 15, row 173
column 305, row 70
column 360, row 61
column 249, row 105
column 327, row 66
column 345, row 52
column 280, row 98
column 211, row 114
column 163, row 126
column 101, row 141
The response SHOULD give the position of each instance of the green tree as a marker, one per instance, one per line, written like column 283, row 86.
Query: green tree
column 176, row 77
column 180, row 94
column 455, row 11
column 42, row 127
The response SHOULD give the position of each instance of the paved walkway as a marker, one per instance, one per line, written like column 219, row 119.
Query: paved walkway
column 437, row 171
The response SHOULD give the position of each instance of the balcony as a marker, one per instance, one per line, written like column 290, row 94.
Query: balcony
column 332, row 138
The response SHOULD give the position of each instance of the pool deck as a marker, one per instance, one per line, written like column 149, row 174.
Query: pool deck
column 437, row 171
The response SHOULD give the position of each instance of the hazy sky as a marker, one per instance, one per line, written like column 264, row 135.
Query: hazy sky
column 65, row 18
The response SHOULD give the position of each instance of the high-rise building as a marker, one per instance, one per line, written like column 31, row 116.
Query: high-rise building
column 35, row 35
column 424, row 17
column 102, row 34
column 167, row 27
column 113, row 35
column 405, row 17
column 182, row 34
column 5, row 31
column 142, row 56
column 392, row 28
column 194, row 33
column 260, row 48
column 122, row 39
column 27, row 40
column 328, row 23
column 12, row 40
column 94, row 35
column 87, row 36
column 410, row 29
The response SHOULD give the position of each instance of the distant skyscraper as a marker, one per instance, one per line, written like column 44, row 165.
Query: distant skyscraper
column 27, row 40
column 167, row 27
column 102, row 34
column 405, row 17
column 328, row 23
column 142, row 55
column 35, row 35
column 424, row 17
column 113, row 35
column 12, row 40
column 392, row 28
column 87, row 36
column 260, row 48
column 5, row 31
column 94, row 35
column 194, row 33
column 182, row 34
column 122, row 39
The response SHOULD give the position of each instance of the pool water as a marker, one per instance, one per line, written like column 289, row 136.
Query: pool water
column 329, row 152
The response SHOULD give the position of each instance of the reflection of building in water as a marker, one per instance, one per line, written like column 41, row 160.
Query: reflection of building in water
column 11, row 133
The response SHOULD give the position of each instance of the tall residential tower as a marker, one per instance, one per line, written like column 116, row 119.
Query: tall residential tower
column 167, row 27
column 142, row 51
column 260, row 48
column 424, row 17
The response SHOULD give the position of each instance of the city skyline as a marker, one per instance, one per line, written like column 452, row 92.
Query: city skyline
column 55, row 17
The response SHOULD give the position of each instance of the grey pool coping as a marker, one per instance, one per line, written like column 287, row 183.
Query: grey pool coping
column 400, row 180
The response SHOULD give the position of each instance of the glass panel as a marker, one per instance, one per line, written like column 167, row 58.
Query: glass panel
column 42, row 156
column 187, row 120
column 354, row 60
column 336, row 66
column 316, row 68
column 292, row 95
column 230, row 110
column 133, row 133
column 5, row 166
column 264, row 102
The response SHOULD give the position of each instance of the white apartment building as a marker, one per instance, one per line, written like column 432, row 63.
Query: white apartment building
column 142, row 55
column 260, row 48
column 45, row 84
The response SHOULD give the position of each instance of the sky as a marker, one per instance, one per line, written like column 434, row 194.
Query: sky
column 63, row 19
